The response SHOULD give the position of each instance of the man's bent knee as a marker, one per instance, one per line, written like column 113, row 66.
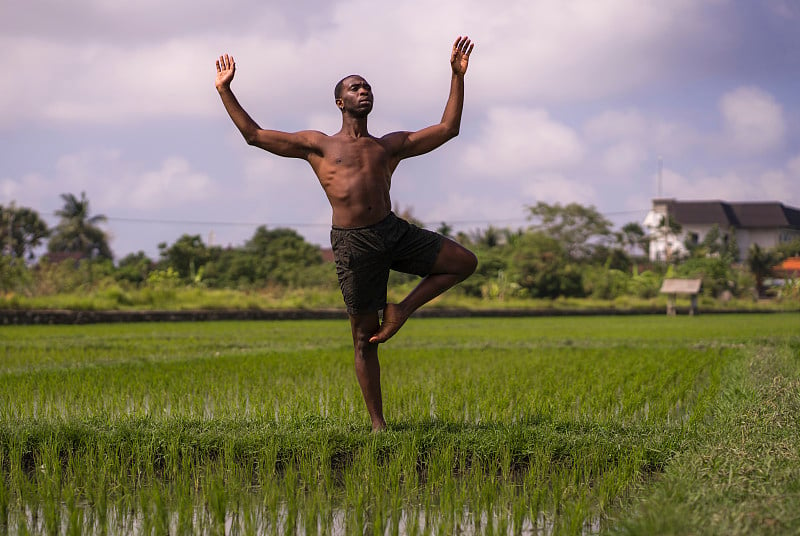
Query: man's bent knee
column 470, row 263
column 455, row 259
column 465, row 264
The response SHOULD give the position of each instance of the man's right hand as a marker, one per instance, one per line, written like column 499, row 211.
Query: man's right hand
column 226, row 68
column 459, row 58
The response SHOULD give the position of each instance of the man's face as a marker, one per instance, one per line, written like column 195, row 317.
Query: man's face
column 356, row 97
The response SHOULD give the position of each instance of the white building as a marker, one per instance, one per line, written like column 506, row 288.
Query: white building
column 767, row 224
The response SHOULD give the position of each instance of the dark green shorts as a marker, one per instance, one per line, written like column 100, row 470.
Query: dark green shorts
column 364, row 256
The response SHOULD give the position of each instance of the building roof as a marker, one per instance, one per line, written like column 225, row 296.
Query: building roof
column 749, row 215
column 61, row 256
column 789, row 267
column 766, row 215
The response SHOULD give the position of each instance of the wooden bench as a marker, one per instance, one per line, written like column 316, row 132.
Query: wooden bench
column 673, row 287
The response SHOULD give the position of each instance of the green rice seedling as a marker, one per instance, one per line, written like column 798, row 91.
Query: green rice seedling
column 4, row 498
column 498, row 425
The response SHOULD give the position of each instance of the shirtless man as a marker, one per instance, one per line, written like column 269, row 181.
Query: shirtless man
column 355, row 171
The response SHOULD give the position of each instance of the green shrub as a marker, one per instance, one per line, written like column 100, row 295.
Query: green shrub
column 118, row 295
column 605, row 284
column 15, row 276
column 715, row 272
column 645, row 285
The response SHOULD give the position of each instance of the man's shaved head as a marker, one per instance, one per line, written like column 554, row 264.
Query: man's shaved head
column 337, row 90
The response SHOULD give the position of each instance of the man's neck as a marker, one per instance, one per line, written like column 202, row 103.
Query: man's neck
column 354, row 127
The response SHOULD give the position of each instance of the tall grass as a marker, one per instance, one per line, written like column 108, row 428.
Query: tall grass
column 117, row 297
column 495, row 425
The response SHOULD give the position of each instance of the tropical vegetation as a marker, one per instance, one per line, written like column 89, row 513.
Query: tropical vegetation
column 566, row 252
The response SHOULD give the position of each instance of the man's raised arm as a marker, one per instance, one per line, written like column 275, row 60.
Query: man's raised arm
column 296, row 145
column 428, row 139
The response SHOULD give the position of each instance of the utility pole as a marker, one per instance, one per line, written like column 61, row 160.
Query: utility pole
column 660, row 177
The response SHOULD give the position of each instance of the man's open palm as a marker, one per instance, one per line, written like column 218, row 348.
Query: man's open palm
column 459, row 59
column 226, row 68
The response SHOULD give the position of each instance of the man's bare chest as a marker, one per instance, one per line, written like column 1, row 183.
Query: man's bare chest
column 366, row 154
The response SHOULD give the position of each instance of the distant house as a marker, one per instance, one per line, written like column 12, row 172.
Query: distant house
column 788, row 268
column 767, row 224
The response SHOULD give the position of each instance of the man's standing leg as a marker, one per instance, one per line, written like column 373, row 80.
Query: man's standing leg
column 368, row 369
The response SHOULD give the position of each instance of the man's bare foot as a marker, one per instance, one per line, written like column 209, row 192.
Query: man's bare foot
column 393, row 320
column 380, row 427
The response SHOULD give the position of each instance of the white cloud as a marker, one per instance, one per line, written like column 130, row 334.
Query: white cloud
column 781, row 184
column 107, row 83
column 650, row 137
column 624, row 159
column 571, row 49
column 263, row 171
column 786, row 9
column 25, row 191
column 793, row 167
column 462, row 206
column 173, row 184
column 557, row 188
column 566, row 100
column 770, row 185
column 774, row 185
column 112, row 62
column 119, row 76
column 614, row 125
column 518, row 140
column 152, row 20
column 753, row 119
column 113, row 184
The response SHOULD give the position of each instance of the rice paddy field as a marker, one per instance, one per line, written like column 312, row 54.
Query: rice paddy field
column 569, row 425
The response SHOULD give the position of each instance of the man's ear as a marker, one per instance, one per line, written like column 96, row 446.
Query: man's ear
column 340, row 103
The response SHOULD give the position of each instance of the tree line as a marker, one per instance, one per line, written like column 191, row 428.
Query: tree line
column 566, row 251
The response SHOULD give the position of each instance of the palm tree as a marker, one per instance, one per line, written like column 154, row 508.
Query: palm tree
column 489, row 238
column 632, row 236
column 21, row 231
column 77, row 232
column 761, row 262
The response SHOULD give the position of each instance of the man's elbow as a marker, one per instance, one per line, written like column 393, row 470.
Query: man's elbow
column 250, row 137
column 451, row 131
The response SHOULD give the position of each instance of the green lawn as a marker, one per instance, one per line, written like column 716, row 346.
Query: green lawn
column 567, row 425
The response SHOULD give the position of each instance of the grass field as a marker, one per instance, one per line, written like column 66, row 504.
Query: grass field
column 634, row 425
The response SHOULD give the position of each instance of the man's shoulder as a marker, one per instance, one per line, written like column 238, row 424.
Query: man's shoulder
column 314, row 139
column 399, row 134
column 315, row 134
column 393, row 141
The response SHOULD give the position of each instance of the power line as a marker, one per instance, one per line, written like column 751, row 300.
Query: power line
column 486, row 221
column 221, row 223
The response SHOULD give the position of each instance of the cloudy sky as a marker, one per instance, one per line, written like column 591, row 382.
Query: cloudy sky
column 566, row 100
